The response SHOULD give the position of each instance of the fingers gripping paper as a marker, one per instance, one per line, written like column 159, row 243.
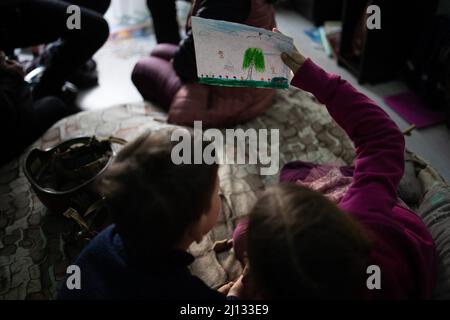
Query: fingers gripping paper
column 237, row 55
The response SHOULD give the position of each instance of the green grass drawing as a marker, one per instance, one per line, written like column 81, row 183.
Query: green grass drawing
column 276, row 83
column 253, row 59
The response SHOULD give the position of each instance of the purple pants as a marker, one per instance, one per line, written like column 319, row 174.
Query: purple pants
column 240, row 240
column 155, row 78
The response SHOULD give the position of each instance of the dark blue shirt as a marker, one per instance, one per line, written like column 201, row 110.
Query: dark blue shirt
column 108, row 273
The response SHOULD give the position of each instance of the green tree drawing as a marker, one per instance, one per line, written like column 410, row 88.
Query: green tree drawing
column 253, row 59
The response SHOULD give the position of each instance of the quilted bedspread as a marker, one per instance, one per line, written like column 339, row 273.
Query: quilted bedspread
column 34, row 250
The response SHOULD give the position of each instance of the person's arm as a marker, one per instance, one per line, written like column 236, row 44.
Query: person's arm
column 230, row 10
column 9, row 126
column 10, row 73
column 184, row 59
column 15, row 108
column 379, row 144
column 9, row 114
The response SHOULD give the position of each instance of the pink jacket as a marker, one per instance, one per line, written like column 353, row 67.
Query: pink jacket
column 403, row 247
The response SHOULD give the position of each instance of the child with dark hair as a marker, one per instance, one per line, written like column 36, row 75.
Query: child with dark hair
column 299, row 244
column 159, row 209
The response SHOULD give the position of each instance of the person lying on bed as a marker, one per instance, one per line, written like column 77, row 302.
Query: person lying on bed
column 159, row 209
column 168, row 76
column 300, row 244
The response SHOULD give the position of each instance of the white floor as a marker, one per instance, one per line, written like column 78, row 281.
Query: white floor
column 116, row 61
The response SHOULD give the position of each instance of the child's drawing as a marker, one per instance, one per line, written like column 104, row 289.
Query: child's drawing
column 236, row 55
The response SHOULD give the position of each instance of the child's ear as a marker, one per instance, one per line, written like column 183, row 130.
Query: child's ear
column 197, row 230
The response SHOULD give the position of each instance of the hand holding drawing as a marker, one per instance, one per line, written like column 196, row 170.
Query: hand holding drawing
column 293, row 61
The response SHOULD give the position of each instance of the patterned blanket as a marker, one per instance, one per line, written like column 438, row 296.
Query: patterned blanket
column 35, row 250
